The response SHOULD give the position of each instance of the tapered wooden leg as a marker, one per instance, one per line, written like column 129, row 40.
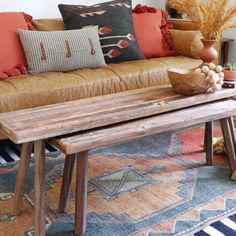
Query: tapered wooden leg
column 81, row 193
column 66, row 182
column 231, row 125
column 20, row 181
column 39, row 151
column 205, row 138
column 229, row 145
column 209, row 142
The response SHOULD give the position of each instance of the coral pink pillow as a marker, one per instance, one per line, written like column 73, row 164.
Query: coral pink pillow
column 12, row 58
column 147, row 24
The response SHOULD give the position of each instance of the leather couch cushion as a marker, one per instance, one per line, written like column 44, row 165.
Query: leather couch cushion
column 48, row 24
column 182, row 24
column 55, row 87
column 192, row 42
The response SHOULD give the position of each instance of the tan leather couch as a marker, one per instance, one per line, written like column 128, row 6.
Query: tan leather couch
column 55, row 87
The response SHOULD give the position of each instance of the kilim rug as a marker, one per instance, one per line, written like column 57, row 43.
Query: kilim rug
column 155, row 186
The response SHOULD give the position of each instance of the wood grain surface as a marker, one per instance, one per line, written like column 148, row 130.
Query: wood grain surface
column 116, row 134
column 81, row 193
column 50, row 121
column 66, row 182
column 187, row 82
column 26, row 150
column 209, row 142
column 39, row 188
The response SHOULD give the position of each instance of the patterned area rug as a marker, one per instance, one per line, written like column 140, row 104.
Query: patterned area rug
column 155, row 186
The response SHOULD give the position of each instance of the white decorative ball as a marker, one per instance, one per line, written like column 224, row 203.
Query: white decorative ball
column 219, row 68
column 218, row 87
column 221, row 74
column 214, row 86
column 211, row 73
column 205, row 69
column 221, row 82
column 212, row 66
column 198, row 71
column 216, row 77
column 212, row 80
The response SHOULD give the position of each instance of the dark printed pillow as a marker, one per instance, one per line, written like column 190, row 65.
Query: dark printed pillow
column 116, row 31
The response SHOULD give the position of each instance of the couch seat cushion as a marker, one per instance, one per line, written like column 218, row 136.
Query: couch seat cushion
column 55, row 87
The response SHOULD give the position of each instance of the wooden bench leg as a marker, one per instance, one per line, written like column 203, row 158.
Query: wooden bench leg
column 231, row 125
column 205, row 138
column 39, row 151
column 229, row 145
column 232, row 130
column 66, row 182
column 20, row 181
column 208, row 142
column 81, row 193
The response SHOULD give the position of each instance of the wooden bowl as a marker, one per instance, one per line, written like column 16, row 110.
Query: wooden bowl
column 187, row 82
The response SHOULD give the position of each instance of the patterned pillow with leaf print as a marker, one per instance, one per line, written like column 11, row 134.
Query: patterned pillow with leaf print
column 116, row 30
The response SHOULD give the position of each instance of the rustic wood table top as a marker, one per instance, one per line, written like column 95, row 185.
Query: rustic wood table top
column 126, row 131
column 36, row 124
column 63, row 118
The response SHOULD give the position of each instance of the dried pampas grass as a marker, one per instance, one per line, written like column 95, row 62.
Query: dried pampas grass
column 212, row 17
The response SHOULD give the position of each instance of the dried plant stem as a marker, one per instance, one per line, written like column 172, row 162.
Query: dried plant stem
column 212, row 17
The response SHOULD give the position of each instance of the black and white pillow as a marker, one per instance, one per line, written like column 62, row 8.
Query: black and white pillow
column 116, row 30
column 62, row 50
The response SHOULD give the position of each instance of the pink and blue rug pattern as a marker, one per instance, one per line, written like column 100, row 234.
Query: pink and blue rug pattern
column 155, row 186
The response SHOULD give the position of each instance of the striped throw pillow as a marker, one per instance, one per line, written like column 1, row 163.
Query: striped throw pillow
column 62, row 50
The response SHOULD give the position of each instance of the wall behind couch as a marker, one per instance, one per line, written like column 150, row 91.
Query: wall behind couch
column 48, row 8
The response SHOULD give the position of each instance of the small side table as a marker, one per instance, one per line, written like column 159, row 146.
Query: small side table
column 225, row 49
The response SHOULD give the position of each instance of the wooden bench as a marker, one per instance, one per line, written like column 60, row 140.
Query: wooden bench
column 80, row 143
column 33, row 126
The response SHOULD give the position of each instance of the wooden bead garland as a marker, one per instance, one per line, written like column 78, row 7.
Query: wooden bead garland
column 214, row 73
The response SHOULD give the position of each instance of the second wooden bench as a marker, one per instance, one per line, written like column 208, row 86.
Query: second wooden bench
column 76, row 146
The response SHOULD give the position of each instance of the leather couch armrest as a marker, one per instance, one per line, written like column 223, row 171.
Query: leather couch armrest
column 181, row 24
column 187, row 25
column 48, row 24
column 187, row 43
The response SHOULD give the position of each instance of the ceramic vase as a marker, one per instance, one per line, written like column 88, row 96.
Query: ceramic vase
column 208, row 54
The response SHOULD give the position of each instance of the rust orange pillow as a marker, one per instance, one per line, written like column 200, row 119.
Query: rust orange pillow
column 147, row 26
column 12, row 59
